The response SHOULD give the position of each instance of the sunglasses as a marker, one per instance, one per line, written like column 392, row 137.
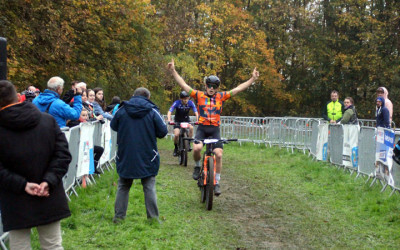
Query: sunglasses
column 210, row 85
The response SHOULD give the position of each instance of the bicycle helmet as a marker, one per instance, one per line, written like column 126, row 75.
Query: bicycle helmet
column 212, row 80
column 183, row 94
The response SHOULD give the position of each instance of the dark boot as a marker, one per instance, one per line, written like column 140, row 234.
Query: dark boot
column 196, row 173
column 217, row 190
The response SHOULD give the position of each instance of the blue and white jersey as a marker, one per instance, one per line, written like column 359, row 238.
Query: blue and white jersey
column 182, row 110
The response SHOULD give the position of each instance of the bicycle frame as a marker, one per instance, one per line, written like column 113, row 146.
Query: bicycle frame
column 205, row 167
column 207, row 180
column 183, row 147
column 183, row 127
column 209, row 153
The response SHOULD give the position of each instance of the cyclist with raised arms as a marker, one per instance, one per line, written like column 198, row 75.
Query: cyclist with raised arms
column 182, row 107
column 210, row 106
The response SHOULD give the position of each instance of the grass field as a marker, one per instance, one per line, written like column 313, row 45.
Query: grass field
column 270, row 199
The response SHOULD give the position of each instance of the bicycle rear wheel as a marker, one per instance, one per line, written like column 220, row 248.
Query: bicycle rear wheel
column 210, row 183
column 185, row 150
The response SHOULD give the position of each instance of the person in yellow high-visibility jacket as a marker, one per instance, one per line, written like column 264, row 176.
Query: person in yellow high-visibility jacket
column 333, row 110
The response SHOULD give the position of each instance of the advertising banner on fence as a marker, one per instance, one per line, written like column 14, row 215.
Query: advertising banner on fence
column 322, row 143
column 67, row 135
column 85, row 159
column 350, row 146
column 106, row 142
column 383, row 156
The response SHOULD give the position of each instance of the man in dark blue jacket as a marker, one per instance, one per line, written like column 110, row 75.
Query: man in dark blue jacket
column 382, row 114
column 138, row 124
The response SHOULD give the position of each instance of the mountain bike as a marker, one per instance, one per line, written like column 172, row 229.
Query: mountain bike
column 207, row 181
column 183, row 145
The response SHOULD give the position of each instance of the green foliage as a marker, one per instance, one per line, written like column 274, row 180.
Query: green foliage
column 303, row 49
column 319, row 46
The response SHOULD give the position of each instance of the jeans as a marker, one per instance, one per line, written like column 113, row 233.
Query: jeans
column 150, row 197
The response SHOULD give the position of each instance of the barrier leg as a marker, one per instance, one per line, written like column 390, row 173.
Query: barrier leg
column 91, row 177
column 74, row 191
column 2, row 244
column 66, row 194
column 101, row 168
column 384, row 188
column 87, row 178
column 393, row 191
column 373, row 181
column 108, row 165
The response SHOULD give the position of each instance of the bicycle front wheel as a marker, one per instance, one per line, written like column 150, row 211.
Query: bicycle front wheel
column 180, row 150
column 210, row 183
column 185, row 150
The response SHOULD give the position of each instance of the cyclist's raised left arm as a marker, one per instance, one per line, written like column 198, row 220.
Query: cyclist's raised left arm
column 246, row 84
column 177, row 77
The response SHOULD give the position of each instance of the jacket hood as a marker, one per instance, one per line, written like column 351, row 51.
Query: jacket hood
column 349, row 107
column 21, row 116
column 139, row 106
column 385, row 92
column 46, row 97
column 382, row 100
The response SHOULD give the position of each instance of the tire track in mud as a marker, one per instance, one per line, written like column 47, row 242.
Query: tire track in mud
column 250, row 216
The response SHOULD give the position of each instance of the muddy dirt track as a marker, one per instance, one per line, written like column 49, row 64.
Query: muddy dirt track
column 250, row 212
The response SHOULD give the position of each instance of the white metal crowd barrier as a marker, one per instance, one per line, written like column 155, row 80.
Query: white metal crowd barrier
column 353, row 147
column 81, row 140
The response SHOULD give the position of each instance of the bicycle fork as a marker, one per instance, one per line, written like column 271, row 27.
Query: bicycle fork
column 206, row 169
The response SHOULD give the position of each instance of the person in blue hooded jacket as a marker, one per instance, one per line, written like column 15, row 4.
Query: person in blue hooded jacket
column 138, row 124
column 49, row 101
column 382, row 113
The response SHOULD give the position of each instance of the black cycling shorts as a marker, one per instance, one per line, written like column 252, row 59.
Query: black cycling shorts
column 209, row 131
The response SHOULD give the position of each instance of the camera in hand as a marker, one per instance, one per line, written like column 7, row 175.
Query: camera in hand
column 396, row 152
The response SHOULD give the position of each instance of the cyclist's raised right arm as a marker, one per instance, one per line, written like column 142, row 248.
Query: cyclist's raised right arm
column 177, row 77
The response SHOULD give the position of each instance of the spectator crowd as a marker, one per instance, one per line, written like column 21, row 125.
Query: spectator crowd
column 338, row 112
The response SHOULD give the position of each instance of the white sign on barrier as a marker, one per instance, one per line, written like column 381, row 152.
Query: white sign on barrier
column 85, row 159
column 67, row 134
column 106, row 142
column 350, row 145
column 384, row 153
column 322, row 143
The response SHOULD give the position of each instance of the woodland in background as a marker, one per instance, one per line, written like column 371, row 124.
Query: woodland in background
column 303, row 49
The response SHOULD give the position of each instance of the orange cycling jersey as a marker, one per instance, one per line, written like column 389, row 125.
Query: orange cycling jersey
column 209, row 108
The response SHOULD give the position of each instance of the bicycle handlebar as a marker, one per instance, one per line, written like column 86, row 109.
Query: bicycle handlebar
column 211, row 140
column 177, row 123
